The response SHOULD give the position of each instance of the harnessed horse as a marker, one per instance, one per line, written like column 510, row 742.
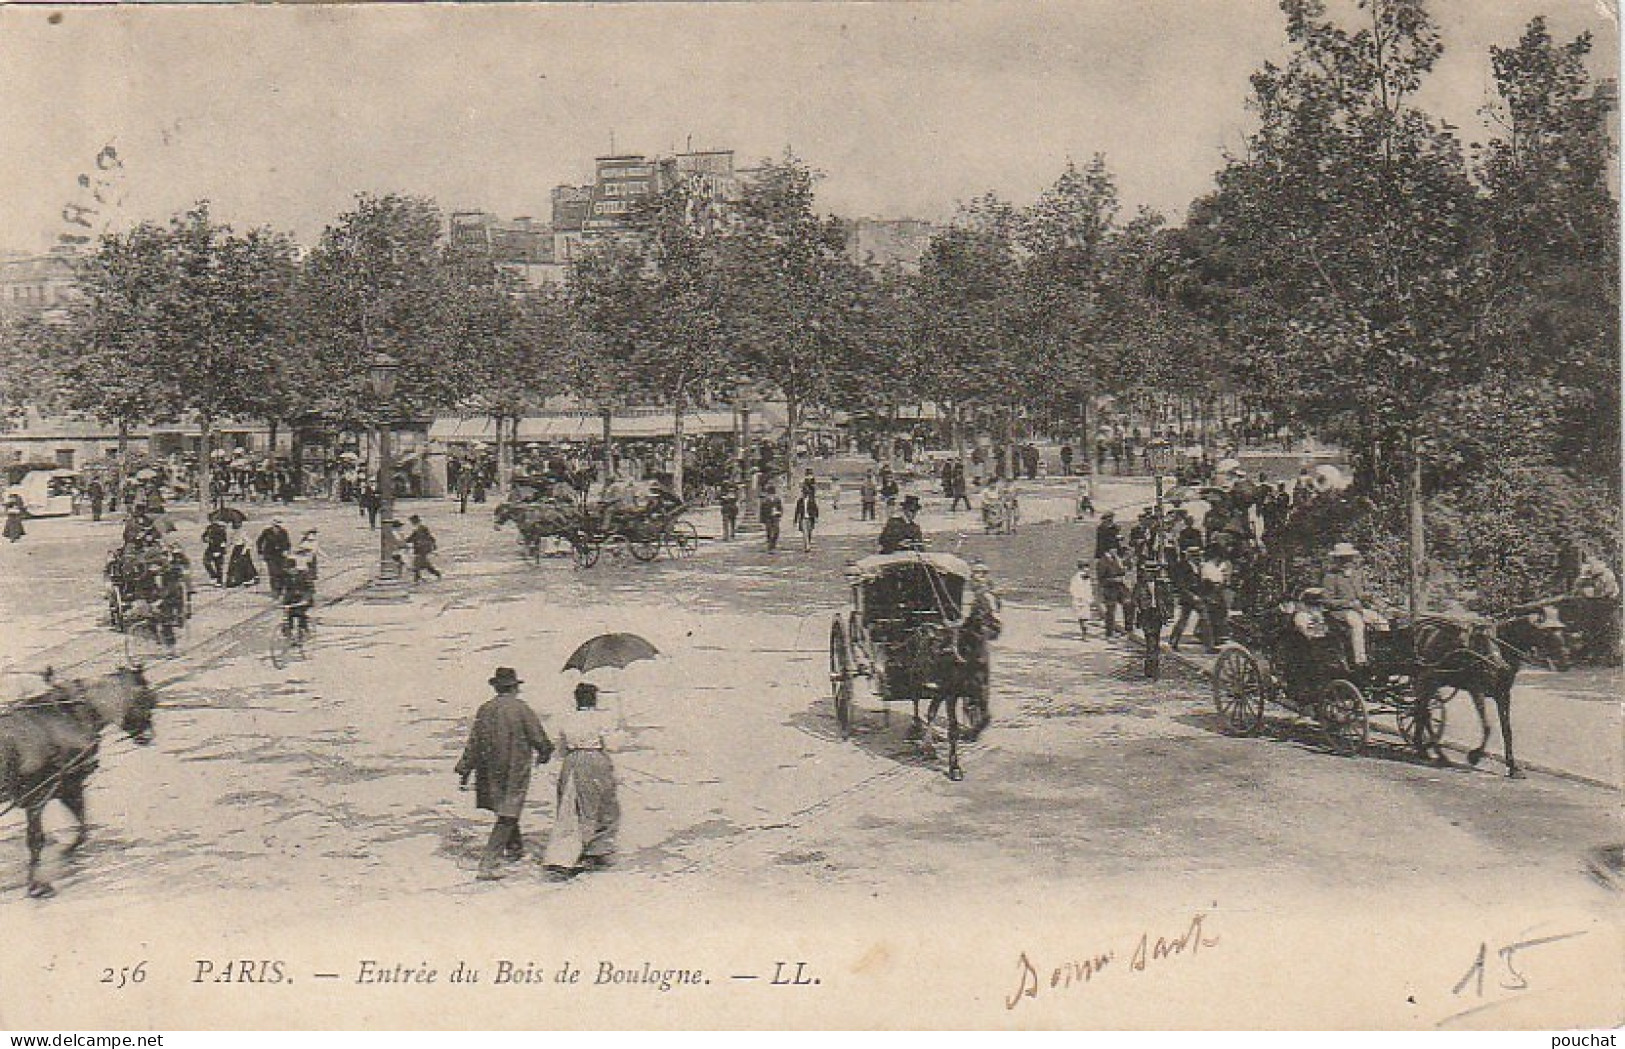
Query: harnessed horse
column 49, row 745
column 1481, row 658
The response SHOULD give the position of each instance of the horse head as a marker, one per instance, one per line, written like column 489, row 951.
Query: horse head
column 138, row 699
column 1534, row 635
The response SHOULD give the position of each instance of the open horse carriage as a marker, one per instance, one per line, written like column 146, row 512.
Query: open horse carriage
column 641, row 526
column 1292, row 655
column 915, row 634
column 642, row 529
column 150, row 597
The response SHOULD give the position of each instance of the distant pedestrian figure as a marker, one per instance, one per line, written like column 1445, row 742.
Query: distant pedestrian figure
column 588, row 814
column 728, row 503
column 959, row 490
column 273, row 546
column 98, row 498
column 498, row 755
column 868, row 497
column 368, row 503
column 14, row 518
column 465, row 488
column 422, row 542
column 770, row 511
column 1110, row 577
column 215, row 539
column 240, row 569
column 1083, row 598
column 806, row 514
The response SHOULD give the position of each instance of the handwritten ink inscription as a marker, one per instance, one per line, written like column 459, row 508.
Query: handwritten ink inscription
column 1146, row 951
column 1507, row 976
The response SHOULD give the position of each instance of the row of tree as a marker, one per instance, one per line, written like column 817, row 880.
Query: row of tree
column 1448, row 312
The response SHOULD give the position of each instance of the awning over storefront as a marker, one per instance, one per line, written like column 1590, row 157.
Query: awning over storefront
column 581, row 427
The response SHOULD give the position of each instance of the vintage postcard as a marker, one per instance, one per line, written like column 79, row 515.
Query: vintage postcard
column 1021, row 515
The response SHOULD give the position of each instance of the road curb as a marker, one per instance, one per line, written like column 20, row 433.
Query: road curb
column 1457, row 748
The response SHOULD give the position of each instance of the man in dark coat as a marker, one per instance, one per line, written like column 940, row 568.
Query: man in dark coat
column 98, row 496
column 422, row 542
column 901, row 531
column 1107, row 534
column 505, row 733
column 273, row 545
column 215, row 539
column 770, row 511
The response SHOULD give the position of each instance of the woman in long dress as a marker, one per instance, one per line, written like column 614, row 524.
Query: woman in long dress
column 588, row 814
column 14, row 519
column 240, row 568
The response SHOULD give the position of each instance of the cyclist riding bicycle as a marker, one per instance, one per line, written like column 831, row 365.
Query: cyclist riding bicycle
column 298, row 595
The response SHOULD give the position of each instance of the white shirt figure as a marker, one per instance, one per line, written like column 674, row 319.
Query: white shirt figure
column 1083, row 594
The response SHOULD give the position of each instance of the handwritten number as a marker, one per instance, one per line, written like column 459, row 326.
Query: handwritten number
column 1476, row 967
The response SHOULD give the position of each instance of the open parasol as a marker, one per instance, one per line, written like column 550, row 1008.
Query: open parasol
column 610, row 650
column 228, row 515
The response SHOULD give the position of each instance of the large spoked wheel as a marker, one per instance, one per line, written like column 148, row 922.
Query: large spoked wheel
column 1238, row 690
column 644, row 545
column 682, row 539
column 840, row 675
column 1343, row 717
column 584, row 550
column 1421, row 722
column 288, row 641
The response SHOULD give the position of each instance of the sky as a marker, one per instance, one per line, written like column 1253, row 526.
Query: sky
column 280, row 115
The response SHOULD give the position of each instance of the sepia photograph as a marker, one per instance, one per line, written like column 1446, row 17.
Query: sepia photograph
column 966, row 514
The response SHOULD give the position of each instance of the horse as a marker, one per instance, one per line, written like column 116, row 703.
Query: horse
column 949, row 663
column 49, row 745
column 539, row 521
column 1481, row 658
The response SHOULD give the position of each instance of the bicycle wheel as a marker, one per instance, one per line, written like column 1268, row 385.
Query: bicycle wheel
column 281, row 647
column 682, row 539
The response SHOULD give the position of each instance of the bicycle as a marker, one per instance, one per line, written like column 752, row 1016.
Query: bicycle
column 289, row 638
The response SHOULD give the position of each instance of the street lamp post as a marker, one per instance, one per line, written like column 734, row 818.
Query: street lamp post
column 382, row 373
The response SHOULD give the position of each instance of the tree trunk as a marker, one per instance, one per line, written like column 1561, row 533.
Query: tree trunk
column 792, row 420
column 1087, row 447
column 1418, row 536
column 205, row 466
column 957, row 433
column 677, row 444
column 271, row 426
column 609, row 456
column 123, row 454
column 1010, row 444
column 505, row 452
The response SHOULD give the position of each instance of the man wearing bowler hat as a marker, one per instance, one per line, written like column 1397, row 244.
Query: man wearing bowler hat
column 506, row 731
column 901, row 531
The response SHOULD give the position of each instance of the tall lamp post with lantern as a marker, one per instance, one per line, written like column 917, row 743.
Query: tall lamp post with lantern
column 382, row 373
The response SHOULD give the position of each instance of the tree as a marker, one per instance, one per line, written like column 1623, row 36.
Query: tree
column 789, row 292
column 1353, row 218
column 1551, row 320
column 187, row 319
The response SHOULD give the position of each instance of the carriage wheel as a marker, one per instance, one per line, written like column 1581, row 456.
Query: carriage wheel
column 115, row 609
column 643, row 546
column 840, row 675
column 1238, row 690
column 682, row 539
column 1343, row 717
column 584, row 550
column 1421, row 721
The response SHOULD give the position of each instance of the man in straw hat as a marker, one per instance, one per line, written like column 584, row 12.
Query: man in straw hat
column 1348, row 600
column 506, row 731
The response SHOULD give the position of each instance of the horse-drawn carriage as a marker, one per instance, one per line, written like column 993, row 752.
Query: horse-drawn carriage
column 1296, row 656
column 639, row 525
column 149, row 597
column 916, row 633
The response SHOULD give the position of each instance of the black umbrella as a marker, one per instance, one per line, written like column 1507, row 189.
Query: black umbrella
column 610, row 650
column 228, row 515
